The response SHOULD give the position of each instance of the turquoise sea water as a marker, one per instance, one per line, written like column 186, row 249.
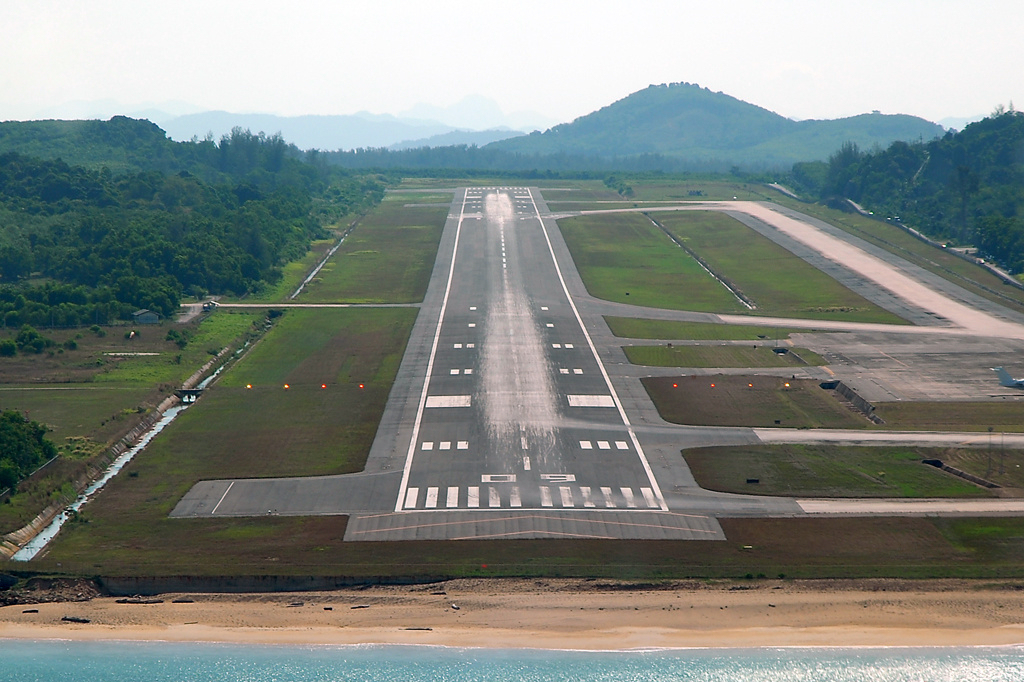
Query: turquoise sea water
column 65, row 661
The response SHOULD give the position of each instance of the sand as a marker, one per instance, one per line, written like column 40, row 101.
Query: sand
column 555, row 614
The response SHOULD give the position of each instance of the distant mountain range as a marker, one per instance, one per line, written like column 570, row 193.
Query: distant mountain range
column 687, row 121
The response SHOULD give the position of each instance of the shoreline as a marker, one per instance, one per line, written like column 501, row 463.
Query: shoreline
column 558, row 615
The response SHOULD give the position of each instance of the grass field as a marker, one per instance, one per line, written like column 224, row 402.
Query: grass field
column 214, row 333
column 635, row 328
column 827, row 471
column 388, row 258
column 779, row 283
column 626, row 258
column 955, row 416
column 293, row 273
column 266, row 430
column 794, row 548
column 732, row 401
column 720, row 356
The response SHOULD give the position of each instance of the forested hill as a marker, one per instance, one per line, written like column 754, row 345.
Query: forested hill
column 684, row 120
column 966, row 187
column 82, row 245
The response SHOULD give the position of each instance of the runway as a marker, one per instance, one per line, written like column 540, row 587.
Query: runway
column 515, row 415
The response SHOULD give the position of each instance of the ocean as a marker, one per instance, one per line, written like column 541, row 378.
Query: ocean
column 113, row 661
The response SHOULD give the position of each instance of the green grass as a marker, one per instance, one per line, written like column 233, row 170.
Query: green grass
column 827, row 471
column 265, row 430
column 626, row 258
column 778, row 282
column 215, row 333
column 388, row 258
column 634, row 328
column 731, row 401
column 711, row 190
column 720, row 356
column 955, row 416
column 293, row 273
column 94, row 411
column 312, row 546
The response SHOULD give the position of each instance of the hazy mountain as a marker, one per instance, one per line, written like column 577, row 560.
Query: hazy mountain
column 684, row 120
column 458, row 137
column 959, row 122
column 477, row 112
column 309, row 132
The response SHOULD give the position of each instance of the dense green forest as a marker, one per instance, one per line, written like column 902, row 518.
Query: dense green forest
column 966, row 187
column 87, row 245
column 23, row 449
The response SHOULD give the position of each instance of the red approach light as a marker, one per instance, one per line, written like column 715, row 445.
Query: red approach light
column 675, row 385
column 750, row 385
column 360, row 385
column 248, row 385
column 323, row 385
column 787, row 384
column 712, row 385
column 286, row 387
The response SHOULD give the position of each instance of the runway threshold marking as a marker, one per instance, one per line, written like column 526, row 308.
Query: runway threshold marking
column 656, row 490
column 430, row 363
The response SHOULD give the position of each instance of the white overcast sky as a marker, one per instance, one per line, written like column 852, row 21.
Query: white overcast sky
column 802, row 59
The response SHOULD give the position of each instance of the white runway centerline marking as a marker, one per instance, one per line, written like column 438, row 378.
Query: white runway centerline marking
column 526, row 462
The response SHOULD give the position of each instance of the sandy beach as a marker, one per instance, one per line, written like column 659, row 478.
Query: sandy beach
column 558, row 614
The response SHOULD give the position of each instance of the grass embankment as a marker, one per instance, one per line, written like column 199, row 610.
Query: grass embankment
column 635, row 328
column 828, row 471
column 388, row 258
column 266, row 430
column 626, row 258
column 720, row 356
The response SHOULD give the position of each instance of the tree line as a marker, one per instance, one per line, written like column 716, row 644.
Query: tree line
column 83, row 245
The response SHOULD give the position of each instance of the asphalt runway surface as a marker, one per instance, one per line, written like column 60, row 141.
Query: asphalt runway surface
column 516, row 415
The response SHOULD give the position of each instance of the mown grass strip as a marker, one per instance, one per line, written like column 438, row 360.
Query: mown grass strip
column 757, row 401
column 636, row 328
column 626, row 258
column 827, row 471
column 779, row 282
column 720, row 356
column 388, row 258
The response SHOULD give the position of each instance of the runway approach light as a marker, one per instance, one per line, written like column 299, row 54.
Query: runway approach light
column 360, row 385
column 787, row 384
column 750, row 385
column 286, row 387
column 248, row 385
column 323, row 385
column 712, row 385
column 675, row 385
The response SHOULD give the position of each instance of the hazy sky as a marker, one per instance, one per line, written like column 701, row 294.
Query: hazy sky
column 803, row 59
